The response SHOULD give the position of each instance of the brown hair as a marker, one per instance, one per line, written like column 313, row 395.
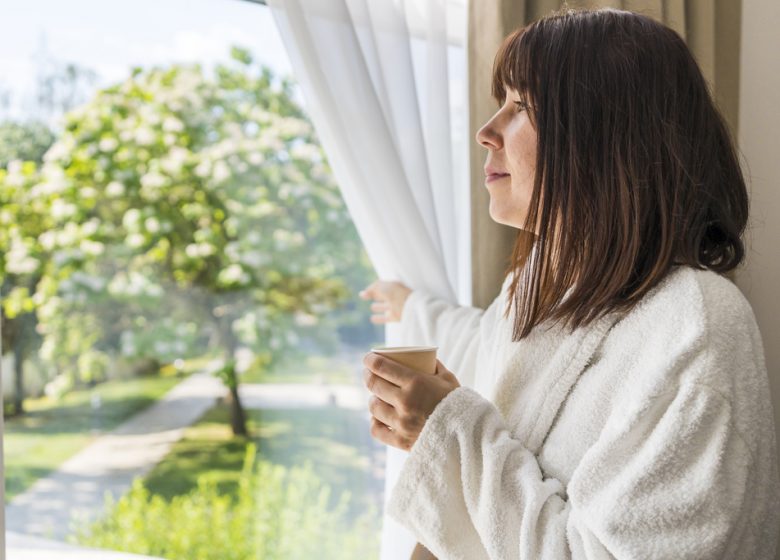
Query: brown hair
column 636, row 170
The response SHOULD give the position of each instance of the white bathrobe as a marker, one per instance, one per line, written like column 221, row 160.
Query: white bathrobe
column 646, row 435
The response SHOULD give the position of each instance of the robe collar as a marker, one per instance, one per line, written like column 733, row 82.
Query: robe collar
column 537, row 373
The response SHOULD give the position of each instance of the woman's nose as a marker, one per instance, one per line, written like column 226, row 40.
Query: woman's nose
column 488, row 136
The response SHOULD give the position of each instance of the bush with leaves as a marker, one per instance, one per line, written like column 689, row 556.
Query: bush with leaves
column 278, row 514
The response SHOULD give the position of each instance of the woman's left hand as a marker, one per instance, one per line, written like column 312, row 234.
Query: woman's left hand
column 403, row 398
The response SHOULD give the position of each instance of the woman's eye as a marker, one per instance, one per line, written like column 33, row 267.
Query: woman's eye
column 521, row 106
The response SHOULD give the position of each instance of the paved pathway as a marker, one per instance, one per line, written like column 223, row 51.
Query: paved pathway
column 279, row 395
column 111, row 462
column 76, row 491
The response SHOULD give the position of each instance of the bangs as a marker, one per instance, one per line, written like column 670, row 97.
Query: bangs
column 624, row 189
column 511, row 66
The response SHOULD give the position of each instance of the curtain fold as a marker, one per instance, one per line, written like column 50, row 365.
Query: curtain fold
column 385, row 86
column 376, row 79
column 397, row 102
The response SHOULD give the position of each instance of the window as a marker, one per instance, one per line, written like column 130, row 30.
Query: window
column 174, row 244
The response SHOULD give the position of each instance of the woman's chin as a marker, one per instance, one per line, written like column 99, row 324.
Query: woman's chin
column 504, row 221
column 501, row 217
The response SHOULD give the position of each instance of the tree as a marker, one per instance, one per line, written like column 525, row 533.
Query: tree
column 22, row 219
column 60, row 86
column 214, row 191
column 25, row 213
column 24, row 141
column 27, row 208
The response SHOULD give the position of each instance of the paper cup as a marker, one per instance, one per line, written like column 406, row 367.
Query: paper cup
column 421, row 358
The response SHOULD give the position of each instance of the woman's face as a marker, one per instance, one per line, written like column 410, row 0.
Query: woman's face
column 511, row 161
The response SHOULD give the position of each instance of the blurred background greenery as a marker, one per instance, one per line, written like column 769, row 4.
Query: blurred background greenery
column 175, row 219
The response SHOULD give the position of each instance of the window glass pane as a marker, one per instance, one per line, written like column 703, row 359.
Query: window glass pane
column 173, row 243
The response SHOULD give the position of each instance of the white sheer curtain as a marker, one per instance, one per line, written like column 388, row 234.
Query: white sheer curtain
column 385, row 84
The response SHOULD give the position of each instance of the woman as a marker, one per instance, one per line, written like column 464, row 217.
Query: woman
column 613, row 401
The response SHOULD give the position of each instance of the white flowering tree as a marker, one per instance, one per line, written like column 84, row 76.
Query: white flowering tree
column 26, row 210
column 24, row 215
column 203, row 207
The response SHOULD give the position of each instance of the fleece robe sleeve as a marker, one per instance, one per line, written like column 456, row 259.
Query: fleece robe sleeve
column 666, row 481
column 455, row 329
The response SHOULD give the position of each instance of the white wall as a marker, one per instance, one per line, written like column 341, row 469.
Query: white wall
column 759, row 142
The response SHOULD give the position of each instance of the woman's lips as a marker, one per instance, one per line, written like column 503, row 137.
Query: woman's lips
column 495, row 177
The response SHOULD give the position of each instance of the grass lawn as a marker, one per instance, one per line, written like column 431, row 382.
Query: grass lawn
column 208, row 449
column 52, row 431
column 266, row 513
column 335, row 440
column 308, row 369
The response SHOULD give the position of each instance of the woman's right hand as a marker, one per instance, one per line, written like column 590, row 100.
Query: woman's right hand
column 389, row 299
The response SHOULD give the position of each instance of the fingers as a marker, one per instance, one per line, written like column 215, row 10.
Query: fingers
column 379, row 290
column 384, row 301
column 380, row 431
column 381, row 313
column 382, row 411
column 382, row 388
column 375, row 423
column 371, row 291
column 387, row 368
column 384, row 433
column 446, row 374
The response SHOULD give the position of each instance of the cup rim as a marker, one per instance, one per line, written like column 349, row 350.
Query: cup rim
column 404, row 349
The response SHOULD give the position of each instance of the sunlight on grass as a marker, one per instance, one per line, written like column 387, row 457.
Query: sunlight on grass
column 335, row 440
column 307, row 369
column 207, row 448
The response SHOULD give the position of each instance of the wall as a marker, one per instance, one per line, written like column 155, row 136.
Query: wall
column 759, row 136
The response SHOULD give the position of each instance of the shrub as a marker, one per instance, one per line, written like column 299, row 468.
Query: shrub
column 278, row 514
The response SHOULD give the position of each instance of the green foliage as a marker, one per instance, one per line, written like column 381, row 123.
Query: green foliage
column 177, row 211
column 26, row 213
column 228, row 375
column 196, row 209
column 24, row 141
column 279, row 513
